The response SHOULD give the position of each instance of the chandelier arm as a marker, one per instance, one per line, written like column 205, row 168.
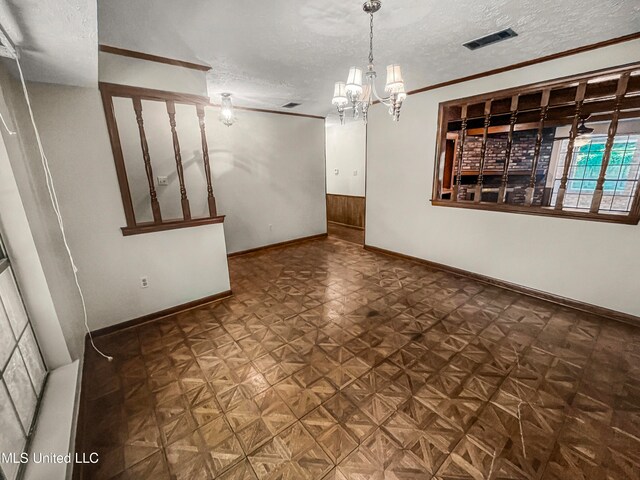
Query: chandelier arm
column 384, row 100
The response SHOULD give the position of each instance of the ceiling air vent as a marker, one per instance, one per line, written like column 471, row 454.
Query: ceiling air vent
column 489, row 39
column 291, row 105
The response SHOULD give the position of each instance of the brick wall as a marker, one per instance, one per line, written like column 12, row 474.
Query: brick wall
column 522, row 151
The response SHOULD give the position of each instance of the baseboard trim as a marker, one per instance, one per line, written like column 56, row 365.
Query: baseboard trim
column 277, row 245
column 531, row 292
column 161, row 314
column 344, row 225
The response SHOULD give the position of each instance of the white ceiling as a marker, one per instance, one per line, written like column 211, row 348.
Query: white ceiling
column 268, row 53
column 57, row 39
column 271, row 52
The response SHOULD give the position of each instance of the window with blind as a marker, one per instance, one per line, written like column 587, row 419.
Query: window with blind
column 566, row 148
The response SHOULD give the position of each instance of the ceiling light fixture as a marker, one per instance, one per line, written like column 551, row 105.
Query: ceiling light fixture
column 227, row 115
column 583, row 130
column 356, row 96
column 583, row 134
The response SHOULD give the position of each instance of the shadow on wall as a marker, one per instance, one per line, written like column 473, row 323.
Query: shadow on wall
column 195, row 160
column 255, row 187
column 267, row 173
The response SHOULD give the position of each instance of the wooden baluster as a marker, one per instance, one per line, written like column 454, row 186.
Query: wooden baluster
column 118, row 156
column 623, row 83
column 580, row 91
column 635, row 208
column 155, row 205
column 205, row 158
column 530, row 190
column 502, row 193
column 171, row 110
column 461, row 139
column 483, row 151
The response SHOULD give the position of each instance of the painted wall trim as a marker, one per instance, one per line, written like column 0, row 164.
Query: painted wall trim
column 278, row 112
column 160, row 227
column 120, row 90
column 603, row 312
column 161, row 314
column 278, row 245
column 152, row 58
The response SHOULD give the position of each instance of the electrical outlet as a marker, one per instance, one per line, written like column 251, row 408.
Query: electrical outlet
column 163, row 181
column 144, row 281
column 355, row 173
column 336, row 171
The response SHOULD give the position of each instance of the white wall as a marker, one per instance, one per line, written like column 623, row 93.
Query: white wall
column 23, row 254
column 268, row 169
column 182, row 265
column 268, row 177
column 588, row 261
column 29, row 178
column 346, row 151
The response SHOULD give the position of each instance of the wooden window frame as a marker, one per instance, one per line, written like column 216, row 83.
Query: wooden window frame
column 502, row 96
column 137, row 94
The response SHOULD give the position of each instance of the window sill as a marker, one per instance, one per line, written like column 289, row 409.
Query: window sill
column 542, row 211
column 172, row 225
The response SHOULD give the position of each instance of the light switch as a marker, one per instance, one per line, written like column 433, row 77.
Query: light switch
column 355, row 173
column 336, row 171
column 163, row 181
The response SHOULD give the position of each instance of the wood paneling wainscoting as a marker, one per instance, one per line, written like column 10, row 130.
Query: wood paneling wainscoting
column 346, row 210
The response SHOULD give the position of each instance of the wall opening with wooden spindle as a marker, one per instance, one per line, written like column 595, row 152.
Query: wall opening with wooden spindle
column 161, row 154
column 568, row 147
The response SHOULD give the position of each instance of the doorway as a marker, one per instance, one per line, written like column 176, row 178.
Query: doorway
column 346, row 172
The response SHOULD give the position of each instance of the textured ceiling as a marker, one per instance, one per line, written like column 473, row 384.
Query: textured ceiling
column 271, row 52
column 268, row 53
column 57, row 39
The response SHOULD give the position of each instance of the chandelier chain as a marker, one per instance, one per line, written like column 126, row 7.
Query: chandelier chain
column 371, row 39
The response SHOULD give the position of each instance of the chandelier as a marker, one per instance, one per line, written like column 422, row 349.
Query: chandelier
column 227, row 115
column 358, row 97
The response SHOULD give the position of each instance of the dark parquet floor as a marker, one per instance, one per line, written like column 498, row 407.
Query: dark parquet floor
column 331, row 362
